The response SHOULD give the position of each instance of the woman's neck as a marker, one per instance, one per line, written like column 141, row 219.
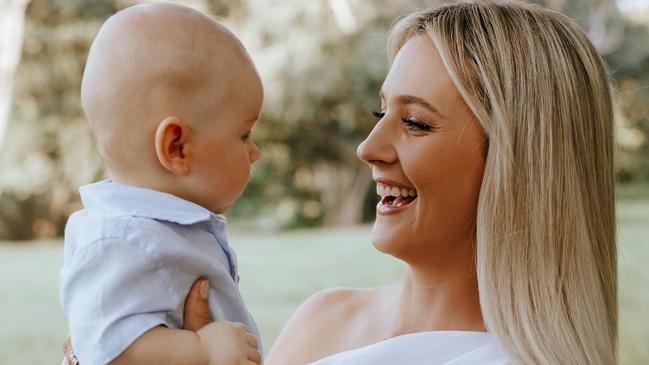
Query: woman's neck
column 441, row 297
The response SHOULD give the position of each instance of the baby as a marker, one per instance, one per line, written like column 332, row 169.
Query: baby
column 171, row 97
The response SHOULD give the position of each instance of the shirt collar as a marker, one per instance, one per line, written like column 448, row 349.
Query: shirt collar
column 112, row 199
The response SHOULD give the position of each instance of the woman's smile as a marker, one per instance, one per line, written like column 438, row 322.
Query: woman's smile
column 395, row 197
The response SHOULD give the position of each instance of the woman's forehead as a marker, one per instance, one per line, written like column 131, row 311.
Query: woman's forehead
column 418, row 71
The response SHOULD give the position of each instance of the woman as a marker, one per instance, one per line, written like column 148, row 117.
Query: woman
column 498, row 116
column 493, row 154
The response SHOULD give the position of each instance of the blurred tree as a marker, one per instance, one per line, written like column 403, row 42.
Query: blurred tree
column 322, row 63
column 49, row 151
column 12, row 18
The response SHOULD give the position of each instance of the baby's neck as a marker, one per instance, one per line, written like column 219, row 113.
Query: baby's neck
column 148, row 181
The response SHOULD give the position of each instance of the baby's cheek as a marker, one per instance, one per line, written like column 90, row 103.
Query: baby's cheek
column 238, row 181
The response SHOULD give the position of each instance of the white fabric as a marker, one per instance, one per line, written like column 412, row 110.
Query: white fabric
column 425, row 348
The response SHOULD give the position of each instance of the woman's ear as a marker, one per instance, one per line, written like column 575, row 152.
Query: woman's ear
column 170, row 142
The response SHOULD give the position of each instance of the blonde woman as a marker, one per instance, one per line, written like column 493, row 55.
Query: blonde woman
column 496, row 134
column 493, row 155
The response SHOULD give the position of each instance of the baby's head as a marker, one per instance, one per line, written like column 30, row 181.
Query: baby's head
column 171, row 96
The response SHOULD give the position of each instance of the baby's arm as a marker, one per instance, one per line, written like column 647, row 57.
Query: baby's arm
column 165, row 346
column 219, row 343
column 213, row 343
column 117, row 309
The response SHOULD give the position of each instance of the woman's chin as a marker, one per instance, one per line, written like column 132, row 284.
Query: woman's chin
column 388, row 240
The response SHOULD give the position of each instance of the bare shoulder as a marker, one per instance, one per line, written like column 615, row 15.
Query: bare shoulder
column 328, row 322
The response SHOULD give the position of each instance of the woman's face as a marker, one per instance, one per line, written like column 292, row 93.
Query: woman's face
column 427, row 149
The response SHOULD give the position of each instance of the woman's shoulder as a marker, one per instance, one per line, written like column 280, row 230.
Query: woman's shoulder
column 341, row 300
column 342, row 307
column 328, row 322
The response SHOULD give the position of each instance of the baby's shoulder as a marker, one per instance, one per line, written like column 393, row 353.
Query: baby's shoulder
column 85, row 231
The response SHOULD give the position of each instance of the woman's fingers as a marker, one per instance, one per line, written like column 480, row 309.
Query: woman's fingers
column 67, row 345
column 197, row 308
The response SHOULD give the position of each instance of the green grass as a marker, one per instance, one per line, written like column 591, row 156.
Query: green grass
column 633, row 234
column 632, row 191
column 279, row 271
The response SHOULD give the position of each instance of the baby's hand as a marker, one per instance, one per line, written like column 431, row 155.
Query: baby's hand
column 229, row 343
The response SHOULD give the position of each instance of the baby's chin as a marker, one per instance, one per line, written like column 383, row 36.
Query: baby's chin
column 218, row 203
column 220, row 209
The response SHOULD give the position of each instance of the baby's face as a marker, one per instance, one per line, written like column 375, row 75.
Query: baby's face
column 223, row 150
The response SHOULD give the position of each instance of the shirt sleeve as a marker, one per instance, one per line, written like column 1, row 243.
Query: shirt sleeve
column 112, row 293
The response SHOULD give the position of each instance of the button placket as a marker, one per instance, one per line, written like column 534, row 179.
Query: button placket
column 217, row 229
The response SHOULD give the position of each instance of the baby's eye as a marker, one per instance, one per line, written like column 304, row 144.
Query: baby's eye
column 378, row 114
column 417, row 125
column 245, row 137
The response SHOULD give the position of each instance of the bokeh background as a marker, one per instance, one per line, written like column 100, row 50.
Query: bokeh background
column 302, row 224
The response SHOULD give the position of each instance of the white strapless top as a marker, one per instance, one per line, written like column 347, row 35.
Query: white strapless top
column 425, row 348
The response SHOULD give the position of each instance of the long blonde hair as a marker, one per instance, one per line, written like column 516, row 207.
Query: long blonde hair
column 545, row 236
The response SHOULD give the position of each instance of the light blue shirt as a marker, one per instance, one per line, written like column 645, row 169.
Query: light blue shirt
column 130, row 259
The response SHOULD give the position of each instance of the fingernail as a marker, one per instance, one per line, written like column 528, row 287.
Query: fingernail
column 205, row 287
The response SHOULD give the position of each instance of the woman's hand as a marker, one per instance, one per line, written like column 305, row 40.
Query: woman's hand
column 67, row 350
column 235, row 343
column 197, row 309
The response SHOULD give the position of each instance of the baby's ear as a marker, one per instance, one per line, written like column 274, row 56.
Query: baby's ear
column 170, row 139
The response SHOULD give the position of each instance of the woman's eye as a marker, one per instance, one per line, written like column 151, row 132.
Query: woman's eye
column 412, row 123
column 245, row 137
column 378, row 114
column 417, row 125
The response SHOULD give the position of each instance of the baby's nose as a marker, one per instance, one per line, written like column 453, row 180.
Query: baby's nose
column 254, row 153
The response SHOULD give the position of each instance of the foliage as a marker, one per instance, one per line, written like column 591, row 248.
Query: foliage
column 322, row 63
column 322, row 75
column 48, row 150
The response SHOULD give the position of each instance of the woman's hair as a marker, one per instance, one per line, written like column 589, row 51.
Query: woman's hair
column 545, row 236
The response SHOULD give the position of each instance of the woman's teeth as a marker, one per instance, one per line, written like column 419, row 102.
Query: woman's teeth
column 386, row 190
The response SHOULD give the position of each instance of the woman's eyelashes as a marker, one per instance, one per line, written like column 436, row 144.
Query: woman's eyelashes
column 412, row 124
column 417, row 125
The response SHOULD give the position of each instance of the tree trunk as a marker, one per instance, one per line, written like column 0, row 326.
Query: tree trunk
column 12, row 20
column 343, row 190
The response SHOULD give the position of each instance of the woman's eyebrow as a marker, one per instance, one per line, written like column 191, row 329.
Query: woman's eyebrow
column 411, row 99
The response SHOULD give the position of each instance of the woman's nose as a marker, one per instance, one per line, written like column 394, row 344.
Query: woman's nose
column 378, row 146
